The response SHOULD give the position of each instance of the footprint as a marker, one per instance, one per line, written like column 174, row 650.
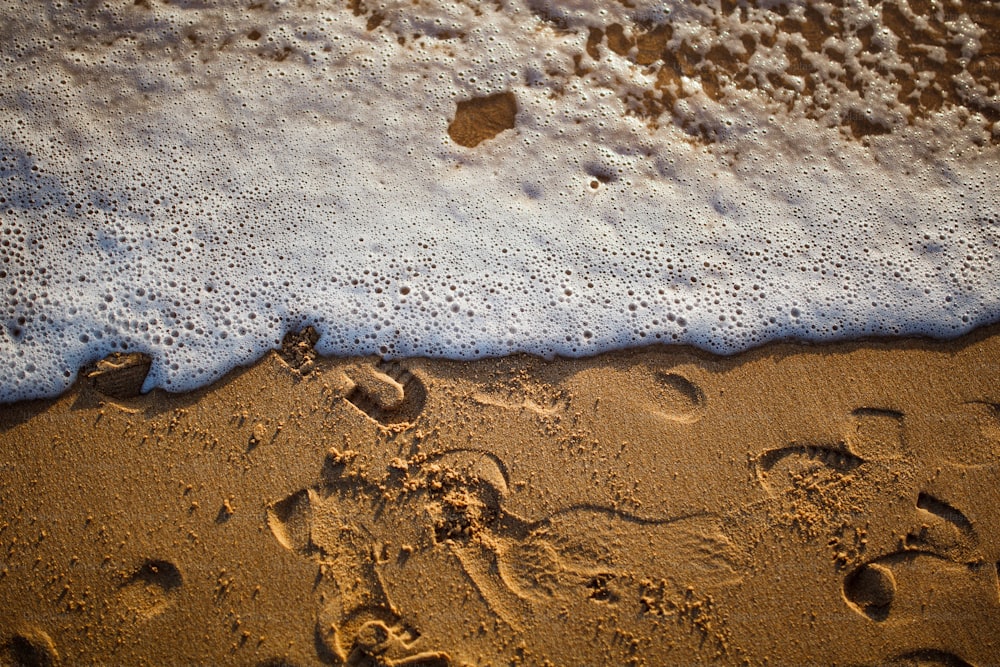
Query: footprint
column 28, row 646
column 927, row 658
column 796, row 461
column 388, row 393
column 120, row 375
column 944, row 529
column 916, row 585
column 990, row 422
column 297, row 350
column 871, row 589
column 876, row 432
column 357, row 623
column 290, row 521
column 592, row 559
column 369, row 630
column 376, row 642
column 148, row 591
column 476, row 467
column 538, row 399
column 338, row 634
column 679, row 399
column 982, row 444
column 557, row 555
column 467, row 490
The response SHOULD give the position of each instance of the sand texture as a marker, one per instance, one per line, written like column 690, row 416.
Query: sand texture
column 795, row 504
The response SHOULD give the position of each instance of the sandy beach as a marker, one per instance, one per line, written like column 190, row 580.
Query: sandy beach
column 795, row 504
column 191, row 179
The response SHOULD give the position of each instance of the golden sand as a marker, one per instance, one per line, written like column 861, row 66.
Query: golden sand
column 822, row 504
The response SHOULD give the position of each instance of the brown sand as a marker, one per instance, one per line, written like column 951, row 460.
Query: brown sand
column 796, row 504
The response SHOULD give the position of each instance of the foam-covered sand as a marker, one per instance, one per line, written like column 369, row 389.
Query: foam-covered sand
column 192, row 180
column 791, row 505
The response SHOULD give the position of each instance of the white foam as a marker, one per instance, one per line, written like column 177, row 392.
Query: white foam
column 194, row 181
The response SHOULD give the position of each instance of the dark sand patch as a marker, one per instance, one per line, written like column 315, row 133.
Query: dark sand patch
column 482, row 118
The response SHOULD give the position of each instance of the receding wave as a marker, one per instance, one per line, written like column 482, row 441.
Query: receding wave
column 193, row 179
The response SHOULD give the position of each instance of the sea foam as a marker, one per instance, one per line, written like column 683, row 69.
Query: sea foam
column 194, row 179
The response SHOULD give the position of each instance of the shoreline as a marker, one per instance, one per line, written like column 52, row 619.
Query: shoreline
column 791, row 345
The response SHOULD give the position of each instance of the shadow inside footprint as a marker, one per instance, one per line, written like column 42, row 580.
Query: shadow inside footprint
column 28, row 647
column 871, row 589
column 148, row 590
column 388, row 393
column 680, row 399
column 928, row 658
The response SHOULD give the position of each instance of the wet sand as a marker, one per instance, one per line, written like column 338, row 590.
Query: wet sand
column 795, row 504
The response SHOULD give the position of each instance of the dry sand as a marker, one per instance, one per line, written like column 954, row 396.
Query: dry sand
column 795, row 504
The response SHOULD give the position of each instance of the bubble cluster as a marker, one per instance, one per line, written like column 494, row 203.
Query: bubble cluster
column 193, row 180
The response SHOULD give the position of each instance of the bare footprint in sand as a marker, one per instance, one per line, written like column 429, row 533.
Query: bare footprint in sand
column 539, row 399
column 679, row 398
column 290, row 521
column 875, row 433
column 517, row 566
column 916, row 585
column 388, row 393
column 556, row 561
column 119, row 375
column 980, row 445
column 871, row 589
column 28, row 646
column 150, row 589
column 379, row 643
column 911, row 588
column 372, row 640
column 333, row 525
